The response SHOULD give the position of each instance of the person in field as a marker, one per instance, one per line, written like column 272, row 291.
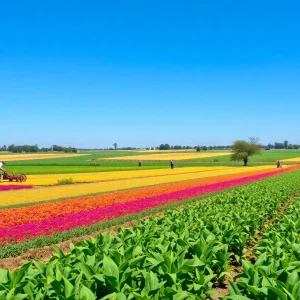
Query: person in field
column 172, row 163
column 1, row 170
column 278, row 164
column 140, row 163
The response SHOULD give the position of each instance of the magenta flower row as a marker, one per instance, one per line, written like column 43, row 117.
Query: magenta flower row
column 14, row 187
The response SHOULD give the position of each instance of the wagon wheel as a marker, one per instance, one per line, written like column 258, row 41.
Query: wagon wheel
column 23, row 178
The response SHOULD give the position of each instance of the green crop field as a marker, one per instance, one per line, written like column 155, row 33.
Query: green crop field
column 265, row 156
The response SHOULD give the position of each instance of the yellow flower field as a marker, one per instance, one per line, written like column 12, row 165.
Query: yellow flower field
column 25, row 156
column 49, row 193
column 295, row 159
column 168, row 156
column 51, row 179
column 164, row 151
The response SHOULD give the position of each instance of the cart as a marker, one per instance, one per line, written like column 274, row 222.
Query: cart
column 16, row 177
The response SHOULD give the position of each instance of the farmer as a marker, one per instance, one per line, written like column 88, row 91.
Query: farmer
column 278, row 164
column 1, row 170
column 172, row 164
column 140, row 163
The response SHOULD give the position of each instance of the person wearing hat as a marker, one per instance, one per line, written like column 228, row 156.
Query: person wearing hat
column 1, row 170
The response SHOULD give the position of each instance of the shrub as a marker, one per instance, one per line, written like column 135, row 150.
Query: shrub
column 65, row 181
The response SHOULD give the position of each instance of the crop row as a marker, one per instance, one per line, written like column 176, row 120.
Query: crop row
column 24, row 223
column 177, row 256
column 276, row 272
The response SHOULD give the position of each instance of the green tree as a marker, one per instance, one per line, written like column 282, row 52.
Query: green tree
column 286, row 144
column 115, row 145
column 164, row 147
column 242, row 150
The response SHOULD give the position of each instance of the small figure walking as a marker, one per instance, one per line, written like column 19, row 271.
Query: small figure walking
column 139, row 163
column 172, row 163
column 278, row 164
column 1, row 170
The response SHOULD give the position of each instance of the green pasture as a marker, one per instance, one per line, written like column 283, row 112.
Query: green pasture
column 266, row 156
column 85, row 163
column 104, row 166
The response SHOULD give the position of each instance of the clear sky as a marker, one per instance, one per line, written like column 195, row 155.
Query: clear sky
column 141, row 73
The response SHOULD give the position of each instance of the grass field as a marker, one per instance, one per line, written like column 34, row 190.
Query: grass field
column 265, row 156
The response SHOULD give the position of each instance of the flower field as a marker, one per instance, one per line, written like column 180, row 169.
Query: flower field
column 58, row 192
column 26, row 222
column 11, row 157
column 295, row 159
column 51, row 179
column 169, row 156
column 180, row 255
column 167, row 175
column 22, row 223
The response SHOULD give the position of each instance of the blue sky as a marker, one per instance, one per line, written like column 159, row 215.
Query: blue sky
column 141, row 73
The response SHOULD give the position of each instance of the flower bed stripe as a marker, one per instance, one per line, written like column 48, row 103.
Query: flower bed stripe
column 86, row 218
column 14, row 187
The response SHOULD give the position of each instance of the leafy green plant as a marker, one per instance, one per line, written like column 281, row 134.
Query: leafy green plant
column 65, row 181
column 275, row 274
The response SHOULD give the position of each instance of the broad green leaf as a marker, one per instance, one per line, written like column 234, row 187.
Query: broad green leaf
column 237, row 297
column 58, row 251
column 3, row 276
column 69, row 288
column 86, row 294
column 110, row 268
column 296, row 290
column 275, row 291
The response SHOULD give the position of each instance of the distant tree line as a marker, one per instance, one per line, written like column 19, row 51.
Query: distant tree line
column 284, row 145
column 34, row 148
column 198, row 148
